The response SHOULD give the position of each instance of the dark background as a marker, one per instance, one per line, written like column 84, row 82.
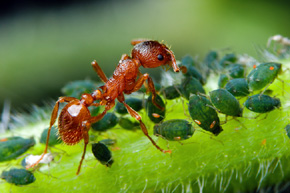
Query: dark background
column 45, row 44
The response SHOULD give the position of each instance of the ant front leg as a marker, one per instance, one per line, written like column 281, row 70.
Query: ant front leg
column 153, row 91
column 140, row 82
column 52, row 121
column 135, row 115
column 99, row 71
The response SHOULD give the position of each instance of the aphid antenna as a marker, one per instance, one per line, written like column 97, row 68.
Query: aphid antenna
column 236, row 119
column 182, row 102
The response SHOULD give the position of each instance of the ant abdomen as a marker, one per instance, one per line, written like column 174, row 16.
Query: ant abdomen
column 70, row 122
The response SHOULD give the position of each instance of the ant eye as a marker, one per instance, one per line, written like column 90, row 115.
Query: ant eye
column 160, row 57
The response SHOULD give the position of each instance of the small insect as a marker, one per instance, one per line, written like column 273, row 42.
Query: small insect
column 190, row 86
column 135, row 103
column 279, row 39
column 262, row 103
column 75, row 120
column 174, row 130
column 18, row 176
column 12, row 147
column 227, row 60
column 204, row 115
column 109, row 121
column 31, row 159
column 211, row 62
column 238, row 87
column 236, row 70
column 153, row 110
column 263, row 75
column 53, row 137
column 102, row 153
column 127, row 124
column 171, row 92
column 191, row 70
column 225, row 103
column 223, row 80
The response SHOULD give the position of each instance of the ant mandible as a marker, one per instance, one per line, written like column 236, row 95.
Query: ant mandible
column 75, row 120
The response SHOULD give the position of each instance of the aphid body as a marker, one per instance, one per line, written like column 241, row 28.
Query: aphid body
column 262, row 103
column 174, row 130
column 204, row 115
column 102, row 153
column 18, row 176
column 12, row 147
column 263, row 74
column 225, row 102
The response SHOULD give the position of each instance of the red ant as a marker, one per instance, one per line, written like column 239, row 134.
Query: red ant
column 75, row 119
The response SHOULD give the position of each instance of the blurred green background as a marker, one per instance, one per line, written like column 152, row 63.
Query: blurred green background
column 44, row 47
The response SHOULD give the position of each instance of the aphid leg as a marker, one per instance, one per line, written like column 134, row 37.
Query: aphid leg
column 184, row 109
column 52, row 121
column 99, row 71
column 265, row 89
column 283, row 86
column 153, row 91
column 213, row 108
column 134, row 114
column 240, row 122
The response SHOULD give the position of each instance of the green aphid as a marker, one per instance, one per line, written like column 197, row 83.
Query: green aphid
column 225, row 102
column 154, row 113
column 287, row 129
column 227, row 59
column 263, row 74
column 174, row 130
column 238, row 87
column 236, row 70
column 172, row 92
column 12, row 147
column 203, row 114
column 18, row 176
column 189, row 63
column 127, row 124
column 223, row 80
column 53, row 137
column 107, row 122
column 135, row 103
column 262, row 103
column 211, row 60
column 191, row 85
column 79, row 87
column 103, row 154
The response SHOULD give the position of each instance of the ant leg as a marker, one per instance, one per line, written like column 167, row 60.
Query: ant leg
column 135, row 115
column 99, row 71
column 86, row 141
column 153, row 91
column 52, row 121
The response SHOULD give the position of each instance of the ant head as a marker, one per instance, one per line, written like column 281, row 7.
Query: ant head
column 152, row 54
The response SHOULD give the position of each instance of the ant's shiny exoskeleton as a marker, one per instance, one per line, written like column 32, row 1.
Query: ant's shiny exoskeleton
column 75, row 120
